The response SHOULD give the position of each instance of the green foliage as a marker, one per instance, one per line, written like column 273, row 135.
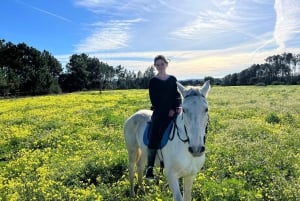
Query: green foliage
column 278, row 70
column 27, row 71
column 272, row 118
column 71, row 147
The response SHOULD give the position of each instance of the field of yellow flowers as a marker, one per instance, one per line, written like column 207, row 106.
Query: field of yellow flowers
column 71, row 146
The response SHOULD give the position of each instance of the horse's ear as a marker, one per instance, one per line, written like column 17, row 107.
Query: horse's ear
column 205, row 88
column 181, row 88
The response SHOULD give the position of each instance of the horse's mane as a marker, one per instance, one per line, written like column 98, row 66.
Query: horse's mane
column 193, row 91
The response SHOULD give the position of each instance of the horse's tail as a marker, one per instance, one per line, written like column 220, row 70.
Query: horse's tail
column 139, row 154
column 133, row 133
column 131, row 129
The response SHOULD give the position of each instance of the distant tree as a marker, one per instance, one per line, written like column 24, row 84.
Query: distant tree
column 78, row 72
column 26, row 70
column 150, row 72
column 234, row 79
column 227, row 80
column 139, row 74
column 211, row 79
column 86, row 73
column 108, row 79
column 147, row 75
column 298, row 61
column 120, row 77
column 94, row 75
column 243, row 77
column 277, row 69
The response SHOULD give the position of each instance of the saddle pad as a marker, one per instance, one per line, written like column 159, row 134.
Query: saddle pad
column 164, row 139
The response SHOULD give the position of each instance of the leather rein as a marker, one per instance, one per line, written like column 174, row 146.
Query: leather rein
column 175, row 127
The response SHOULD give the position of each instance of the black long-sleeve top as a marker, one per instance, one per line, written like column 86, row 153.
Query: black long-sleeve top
column 164, row 95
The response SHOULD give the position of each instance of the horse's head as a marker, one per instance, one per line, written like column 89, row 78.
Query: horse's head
column 195, row 116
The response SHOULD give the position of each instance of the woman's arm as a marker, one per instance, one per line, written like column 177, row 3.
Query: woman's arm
column 154, row 98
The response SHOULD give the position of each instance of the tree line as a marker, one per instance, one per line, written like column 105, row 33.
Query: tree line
column 86, row 73
column 25, row 70
column 277, row 69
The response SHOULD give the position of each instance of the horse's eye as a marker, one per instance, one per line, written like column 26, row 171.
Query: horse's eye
column 206, row 109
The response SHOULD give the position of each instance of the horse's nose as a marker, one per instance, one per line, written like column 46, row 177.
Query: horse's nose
column 202, row 149
column 194, row 150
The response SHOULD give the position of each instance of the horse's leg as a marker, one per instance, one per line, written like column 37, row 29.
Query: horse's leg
column 132, row 156
column 187, row 187
column 174, row 186
column 140, row 167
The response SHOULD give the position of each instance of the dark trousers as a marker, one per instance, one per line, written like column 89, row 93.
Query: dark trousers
column 158, row 126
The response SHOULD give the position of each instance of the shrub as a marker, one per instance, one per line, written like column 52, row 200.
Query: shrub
column 272, row 118
column 277, row 83
column 260, row 84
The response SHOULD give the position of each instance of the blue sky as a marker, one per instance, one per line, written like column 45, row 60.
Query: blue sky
column 201, row 38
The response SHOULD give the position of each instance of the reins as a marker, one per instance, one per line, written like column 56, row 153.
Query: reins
column 175, row 127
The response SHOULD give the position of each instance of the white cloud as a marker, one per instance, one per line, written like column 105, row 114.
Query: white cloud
column 107, row 39
column 237, row 34
column 211, row 22
column 115, row 7
column 193, row 63
column 216, row 20
column 94, row 3
column 287, row 21
column 107, row 36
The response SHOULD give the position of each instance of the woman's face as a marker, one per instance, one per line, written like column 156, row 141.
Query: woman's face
column 160, row 64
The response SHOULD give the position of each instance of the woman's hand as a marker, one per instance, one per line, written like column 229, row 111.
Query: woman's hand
column 178, row 110
column 171, row 113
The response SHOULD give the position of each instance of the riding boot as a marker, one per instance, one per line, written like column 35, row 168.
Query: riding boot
column 151, row 161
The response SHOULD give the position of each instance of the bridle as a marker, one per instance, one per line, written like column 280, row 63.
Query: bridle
column 175, row 127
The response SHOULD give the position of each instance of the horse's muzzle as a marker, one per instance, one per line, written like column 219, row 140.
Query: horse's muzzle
column 196, row 152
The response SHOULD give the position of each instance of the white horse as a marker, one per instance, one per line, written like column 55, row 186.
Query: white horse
column 184, row 154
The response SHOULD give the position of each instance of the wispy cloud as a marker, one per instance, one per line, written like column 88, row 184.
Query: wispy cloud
column 190, row 64
column 203, row 24
column 216, row 20
column 287, row 21
column 236, row 34
column 177, row 6
column 94, row 3
column 45, row 11
column 110, row 6
column 114, row 30
column 114, row 34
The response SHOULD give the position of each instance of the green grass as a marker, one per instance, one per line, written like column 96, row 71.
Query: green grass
column 71, row 146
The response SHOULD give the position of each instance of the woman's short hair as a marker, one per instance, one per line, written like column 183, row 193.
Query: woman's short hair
column 161, row 57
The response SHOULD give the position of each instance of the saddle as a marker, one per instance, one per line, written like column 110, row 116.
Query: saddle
column 165, row 137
